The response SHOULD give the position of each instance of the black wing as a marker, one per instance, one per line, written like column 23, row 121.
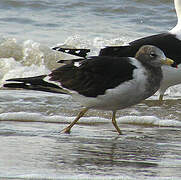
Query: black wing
column 167, row 42
column 95, row 75
column 77, row 52
column 91, row 78
column 34, row 83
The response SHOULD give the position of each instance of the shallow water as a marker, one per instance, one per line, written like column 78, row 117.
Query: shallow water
column 31, row 144
column 33, row 147
column 53, row 21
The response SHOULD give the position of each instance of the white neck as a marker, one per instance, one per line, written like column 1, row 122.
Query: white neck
column 178, row 9
column 177, row 28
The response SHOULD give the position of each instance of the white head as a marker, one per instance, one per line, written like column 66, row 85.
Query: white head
column 178, row 9
column 177, row 28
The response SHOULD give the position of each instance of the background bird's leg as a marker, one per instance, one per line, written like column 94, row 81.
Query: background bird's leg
column 115, row 123
column 161, row 97
column 81, row 113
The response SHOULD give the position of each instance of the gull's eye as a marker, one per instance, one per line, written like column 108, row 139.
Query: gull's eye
column 153, row 55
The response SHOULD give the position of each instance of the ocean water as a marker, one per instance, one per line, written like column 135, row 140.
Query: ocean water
column 31, row 145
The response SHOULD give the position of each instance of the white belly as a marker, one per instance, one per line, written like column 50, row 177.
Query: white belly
column 125, row 95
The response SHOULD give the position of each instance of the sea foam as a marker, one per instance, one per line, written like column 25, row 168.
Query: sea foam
column 30, row 58
column 134, row 120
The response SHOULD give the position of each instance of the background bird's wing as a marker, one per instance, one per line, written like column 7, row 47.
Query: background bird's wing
column 77, row 52
column 159, row 40
column 164, row 41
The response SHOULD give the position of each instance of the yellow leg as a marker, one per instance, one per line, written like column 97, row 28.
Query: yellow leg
column 161, row 97
column 115, row 123
column 160, row 101
column 68, row 128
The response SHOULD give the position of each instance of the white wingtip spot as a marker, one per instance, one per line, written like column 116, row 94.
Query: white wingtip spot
column 77, row 64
